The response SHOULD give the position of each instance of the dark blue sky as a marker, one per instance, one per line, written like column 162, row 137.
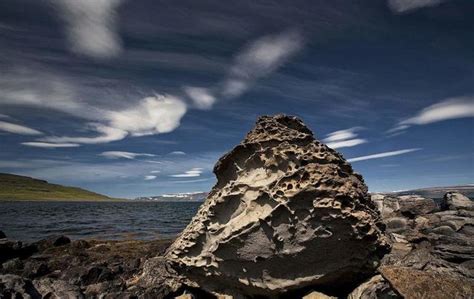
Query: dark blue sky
column 133, row 98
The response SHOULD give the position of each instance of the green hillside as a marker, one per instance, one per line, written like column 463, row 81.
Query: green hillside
column 16, row 187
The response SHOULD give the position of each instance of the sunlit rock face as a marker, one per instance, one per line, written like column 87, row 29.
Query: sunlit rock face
column 287, row 212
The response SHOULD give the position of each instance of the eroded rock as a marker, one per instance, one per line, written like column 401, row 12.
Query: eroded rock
column 287, row 212
column 456, row 200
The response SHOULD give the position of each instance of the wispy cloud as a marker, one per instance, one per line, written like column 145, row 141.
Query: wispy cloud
column 17, row 129
column 49, row 145
column 259, row 59
column 124, row 155
column 344, row 138
column 453, row 108
column 194, row 172
column 107, row 134
column 383, row 155
column 155, row 171
column 90, row 26
column 401, row 6
column 149, row 177
column 177, row 153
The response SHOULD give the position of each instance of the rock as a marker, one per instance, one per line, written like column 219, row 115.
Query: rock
column 455, row 201
column 57, row 289
column 14, row 286
column 34, row 269
column 317, row 295
column 2, row 235
column 96, row 274
column 15, row 249
column 53, row 241
column 12, row 266
column 415, row 205
column 286, row 213
column 375, row 288
column 411, row 283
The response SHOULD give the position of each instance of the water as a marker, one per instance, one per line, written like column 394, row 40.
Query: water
column 31, row 221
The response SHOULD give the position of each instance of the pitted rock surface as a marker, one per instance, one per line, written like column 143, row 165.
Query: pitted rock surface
column 287, row 212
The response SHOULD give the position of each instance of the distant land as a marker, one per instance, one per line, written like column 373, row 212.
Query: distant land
column 176, row 197
column 436, row 192
column 17, row 187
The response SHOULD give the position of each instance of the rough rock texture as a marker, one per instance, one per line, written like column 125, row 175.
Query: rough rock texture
column 287, row 212
column 432, row 251
column 374, row 288
column 455, row 200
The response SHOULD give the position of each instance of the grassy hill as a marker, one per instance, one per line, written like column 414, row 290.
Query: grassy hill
column 16, row 187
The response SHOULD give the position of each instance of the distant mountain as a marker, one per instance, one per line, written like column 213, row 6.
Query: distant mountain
column 17, row 187
column 438, row 192
column 177, row 197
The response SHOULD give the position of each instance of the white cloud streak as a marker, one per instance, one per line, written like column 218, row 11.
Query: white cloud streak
column 91, row 26
column 124, row 155
column 344, row 138
column 402, row 6
column 149, row 177
column 383, row 155
column 17, row 129
column 346, row 143
column 50, row 145
column 194, row 172
column 107, row 134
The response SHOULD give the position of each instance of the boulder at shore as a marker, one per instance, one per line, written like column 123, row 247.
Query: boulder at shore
column 287, row 213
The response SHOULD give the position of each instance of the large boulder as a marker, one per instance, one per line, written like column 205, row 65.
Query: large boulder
column 455, row 201
column 286, row 213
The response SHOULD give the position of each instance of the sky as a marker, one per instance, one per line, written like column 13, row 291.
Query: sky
column 141, row 97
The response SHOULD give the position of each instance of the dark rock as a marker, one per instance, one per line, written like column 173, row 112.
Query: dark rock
column 12, row 266
column 96, row 274
column 53, row 241
column 34, row 269
column 15, row 249
column 287, row 213
column 2, row 235
column 14, row 286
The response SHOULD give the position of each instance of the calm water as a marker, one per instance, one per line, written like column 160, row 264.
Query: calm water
column 30, row 221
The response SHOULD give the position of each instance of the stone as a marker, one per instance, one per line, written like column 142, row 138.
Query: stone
column 53, row 241
column 13, row 265
column 15, row 249
column 33, row 269
column 286, row 213
column 455, row 201
column 57, row 289
column 412, row 283
column 2, row 235
column 375, row 288
column 415, row 205
column 317, row 295
column 14, row 286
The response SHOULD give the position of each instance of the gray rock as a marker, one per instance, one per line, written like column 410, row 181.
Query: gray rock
column 456, row 200
column 287, row 212
column 12, row 266
column 14, row 286
column 57, row 289
column 2, row 235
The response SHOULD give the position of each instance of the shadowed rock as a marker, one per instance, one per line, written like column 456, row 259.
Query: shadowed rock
column 287, row 213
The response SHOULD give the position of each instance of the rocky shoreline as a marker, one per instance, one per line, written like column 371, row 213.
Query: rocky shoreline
column 288, row 218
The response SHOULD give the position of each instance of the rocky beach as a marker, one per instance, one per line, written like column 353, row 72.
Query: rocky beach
column 287, row 218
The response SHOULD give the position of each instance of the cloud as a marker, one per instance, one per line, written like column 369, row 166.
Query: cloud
column 259, row 59
column 49, row 145
column 401, row 6
column 155, row 171
column 150, row 177
column 91, row 26
column 179, row 153
column 153, row 115
column 344, row 138
column 17, row 129
column 107, row 134
column 194, row 172
column 346, row 143
column 383, row 155
column 125, row 155
column 453, row 108
column 201, row 97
